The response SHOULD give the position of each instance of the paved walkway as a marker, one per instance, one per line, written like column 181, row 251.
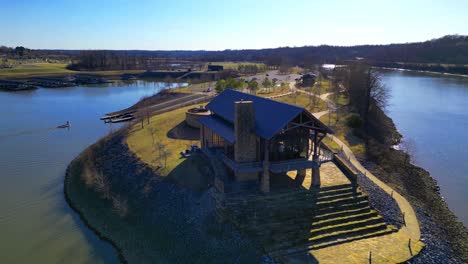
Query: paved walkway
column 393, row 248
column 412, row 224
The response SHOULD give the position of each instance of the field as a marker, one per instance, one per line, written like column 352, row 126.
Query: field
column 49, row 69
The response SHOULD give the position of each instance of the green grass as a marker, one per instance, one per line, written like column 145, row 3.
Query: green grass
column 320, row 87
column 273, row 91
column 194, row 88
column 332, row 144
column 50, row 69
column 37, row 69
column 140, row 140
column 303, row 100
column 344, row 133
column 233, row 65
column 340, row 100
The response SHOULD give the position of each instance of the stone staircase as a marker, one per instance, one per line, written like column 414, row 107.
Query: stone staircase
column 298, row 220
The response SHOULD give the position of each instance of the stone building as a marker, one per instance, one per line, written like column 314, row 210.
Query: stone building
column 255, row 137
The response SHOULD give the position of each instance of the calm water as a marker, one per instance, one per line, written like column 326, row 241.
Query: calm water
column 431, row 111
column 36, row 224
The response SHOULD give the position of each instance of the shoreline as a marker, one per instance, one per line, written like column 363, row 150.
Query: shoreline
column 166, row 224
column 438, row 223
column 422, row 71
column 82, row 217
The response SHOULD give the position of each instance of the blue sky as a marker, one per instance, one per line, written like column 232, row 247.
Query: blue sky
column 218, row 25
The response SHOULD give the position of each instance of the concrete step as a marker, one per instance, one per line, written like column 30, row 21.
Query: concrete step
column 335, row 189
column 321, row 216
column 270, row 227
column 294, row 231
column 285, row 242
column 341, row 200
column 343, row 206
column 316, row 231
column 303, row 248
column 258, row 216
column 336, row 196
column 334, row 220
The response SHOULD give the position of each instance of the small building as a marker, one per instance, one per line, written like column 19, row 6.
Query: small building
column 215, row 67
column 307, row 80
column 255, row 136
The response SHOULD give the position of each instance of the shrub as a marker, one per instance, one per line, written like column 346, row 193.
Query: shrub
column 354, row 121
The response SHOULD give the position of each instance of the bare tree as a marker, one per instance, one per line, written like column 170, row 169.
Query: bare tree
column 161, row 147
column 366, row 90
column 164, row 155
column 153, row 132
column 101, row 184
column 409, row 147
column 120, row 205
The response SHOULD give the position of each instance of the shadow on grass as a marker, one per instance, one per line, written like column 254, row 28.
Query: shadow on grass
column 194, row 173
column 352, row 139
column 184, row 131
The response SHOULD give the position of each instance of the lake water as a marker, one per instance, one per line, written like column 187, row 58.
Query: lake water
column 36, row 224
column 431, row 111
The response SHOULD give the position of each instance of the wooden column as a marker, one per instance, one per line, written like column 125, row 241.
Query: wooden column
column 265, row 184
column 315, row 155
column 316, row 168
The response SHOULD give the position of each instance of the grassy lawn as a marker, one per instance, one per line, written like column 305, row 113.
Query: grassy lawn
column 340, row 100
column 140, row 140
column 50, row 69
column 233, row 65
column 344, row 133
column 320, row 87
column 32, row 70
column 303, row 100
column 273, row 91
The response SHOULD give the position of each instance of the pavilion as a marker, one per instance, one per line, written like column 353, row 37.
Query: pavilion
column 255, row 136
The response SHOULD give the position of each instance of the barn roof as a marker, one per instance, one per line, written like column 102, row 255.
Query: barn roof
column 270, row 116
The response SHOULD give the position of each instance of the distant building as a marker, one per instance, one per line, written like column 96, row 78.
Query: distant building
column 255, row 136
column 215, row 68
column 307, row 79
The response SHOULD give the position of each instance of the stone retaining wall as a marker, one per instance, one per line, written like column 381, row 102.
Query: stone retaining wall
column 191, row 118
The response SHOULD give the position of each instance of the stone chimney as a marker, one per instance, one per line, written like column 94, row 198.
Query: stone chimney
column 245, row 148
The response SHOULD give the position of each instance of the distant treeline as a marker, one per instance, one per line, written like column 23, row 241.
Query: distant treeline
column 108, row 60
column 250, row 68
column 452, row 49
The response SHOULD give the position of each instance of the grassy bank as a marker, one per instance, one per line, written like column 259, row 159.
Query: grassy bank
column 148, row 218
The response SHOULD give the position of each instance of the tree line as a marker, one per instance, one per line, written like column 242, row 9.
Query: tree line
column 428, row 55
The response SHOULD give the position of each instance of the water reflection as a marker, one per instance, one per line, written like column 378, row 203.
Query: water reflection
column 432, row 111
column 36, row 224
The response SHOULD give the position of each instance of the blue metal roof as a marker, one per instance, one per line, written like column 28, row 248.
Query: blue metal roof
column 270, row 116
column 219, row 126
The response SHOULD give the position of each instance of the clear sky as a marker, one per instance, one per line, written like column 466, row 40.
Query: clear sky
column 218, row 25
